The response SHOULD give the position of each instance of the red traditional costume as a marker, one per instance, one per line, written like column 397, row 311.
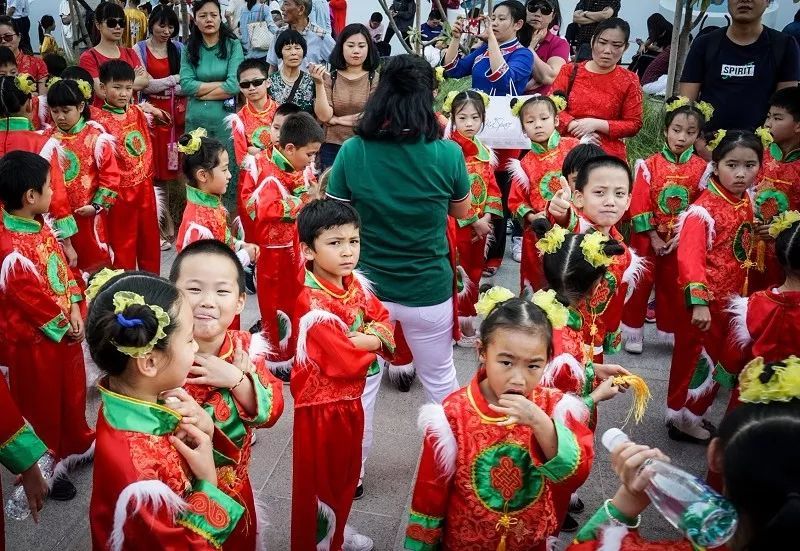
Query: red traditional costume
column 481, row 486
column 91, row 177
column 715, row 251
column 327, row 383
column 664, row 187
column 143, row 494
column 535, row 180
column 250, row 128
column 46, row 370
column 133, row 222
column 238, row 426
column 20, row 448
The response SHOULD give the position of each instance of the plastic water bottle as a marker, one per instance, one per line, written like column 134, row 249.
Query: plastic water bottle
column 17, row 505
column 705, row 517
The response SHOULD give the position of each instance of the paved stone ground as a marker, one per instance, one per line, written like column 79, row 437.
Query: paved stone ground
column 382, row 512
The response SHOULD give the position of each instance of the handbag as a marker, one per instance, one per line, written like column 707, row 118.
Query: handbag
column 260, row 35
column 503, row 130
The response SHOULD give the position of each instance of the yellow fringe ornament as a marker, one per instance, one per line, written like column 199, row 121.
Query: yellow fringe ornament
column 783, row 222
column 447, row 106
column 25, row 83
column 679, row 102
column 706, row 109
column 641, row 395
column 98, row 280
column 556, row 312
column 761, row 383
column 592, row 246
column 52, row 80
column 551, row 241
column 718, row 137
column 489, row 300
column 194, row 143
column 559, row 102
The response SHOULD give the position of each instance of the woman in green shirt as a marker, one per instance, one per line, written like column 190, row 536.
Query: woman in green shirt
column 208, row 76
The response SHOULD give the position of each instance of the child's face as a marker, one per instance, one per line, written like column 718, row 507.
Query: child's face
column 336, row 252
column 781, row 125
column 275, row 128
column 216, row 180
column 172, row 365
column 8, row 70
column 210, row 284
column 682, row 133
column 301, row 157
column 253, row 84
column 118, row 92
column 701, row 148
column 41, row 200
column 605, row 197
column 468, row 120
column 514, row 361
column 737, row 170
column 539, row 122
column 66, row 117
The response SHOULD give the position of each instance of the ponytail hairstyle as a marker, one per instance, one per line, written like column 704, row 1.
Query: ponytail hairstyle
column 12, row 97
column 68, row 93
column 456, row 101
column 518, row 13
column 200, row 153
column 680, row 105
column 517, row 314
column 78, row 73
column 108, row 331
column 47, row 22
column 726, row 141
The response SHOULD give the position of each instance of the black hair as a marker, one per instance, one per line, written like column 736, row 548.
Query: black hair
column 287, row 38
column 207, row 157
column 252, row 63
column 517, row 314
column 286, row 109
column 612, row 23
column 659, row 30
column 789, row 99
column 147, row 8
column 207, row 246
column 533, row 100
column 323, row 214
column 376, row 16
column 45, row 23
column 7, row 57
column 66, row 93
column 104, row 11
column 116, row 70
column 55, row 64
column 12, row 99
column 370, row 63
column 767, row 496
column 738, row 138
column 401, row 107
column 21, row 171
column 468, row 97
column 195, row 41
column 165, row 15
column 104, row 331
column 579, row 156
column 787, row 248
column 76, row 72
column 435, row 14
column 9, row 22
column 301, row 129
column 797, row 16
column 518, row 13
column 604, row 161
column 690, row 110
column 567, row 271
column 556, row 22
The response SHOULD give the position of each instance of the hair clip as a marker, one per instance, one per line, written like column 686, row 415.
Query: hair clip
column 557, row 313
column 195, row 141
column 765, row 135
column 706, row 109
column 25, row 83
column 559, row 102
column 718, row 137
column 489, row 300
column 85, row 88
column 783, row 222
column 761, row 383
column 98, row 280
column 592, row 246
column 680, row 101
column 551, row 241
column 123, row 299
column 447, row 106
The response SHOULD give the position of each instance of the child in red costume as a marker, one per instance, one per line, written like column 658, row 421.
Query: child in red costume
column 133, row 223
column 341, row 327
column 91, row 177
column 496, row 491
column 250, row 127
column 279, row 182
column 42, row 322
column 665, row 185
column 536, row 177
column 716, row 243
column 229, row 378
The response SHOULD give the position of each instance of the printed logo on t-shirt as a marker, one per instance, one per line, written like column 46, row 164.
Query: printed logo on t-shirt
column 730, row 71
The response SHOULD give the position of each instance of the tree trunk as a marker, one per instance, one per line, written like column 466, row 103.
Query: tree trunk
column 418, row 45
column 674, row 53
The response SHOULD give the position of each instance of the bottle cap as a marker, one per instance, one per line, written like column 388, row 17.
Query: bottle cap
column 613, row 437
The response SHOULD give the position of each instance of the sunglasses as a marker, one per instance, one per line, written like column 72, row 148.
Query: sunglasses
column 252, row 83
column 543, row 7
column 7, row 37
column 113, row 23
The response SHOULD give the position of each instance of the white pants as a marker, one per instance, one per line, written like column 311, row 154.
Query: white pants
column 429, row 333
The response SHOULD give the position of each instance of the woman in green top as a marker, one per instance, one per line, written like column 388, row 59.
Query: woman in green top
column 404, row 180
column 208, row 76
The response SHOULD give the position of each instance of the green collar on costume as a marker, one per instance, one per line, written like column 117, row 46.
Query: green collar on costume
column 483, row 152
column 777, row 154
column 17, row 123
column 279, row 159
column 552, row 143
column 112, row 109
column 126, row 413
column 19, row 224
column 575, row 320
column 80, row 125
column 199, row 197
column 682, row 160
column 311, row 281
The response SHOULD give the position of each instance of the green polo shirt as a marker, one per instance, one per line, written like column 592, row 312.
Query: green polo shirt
column 403, row 191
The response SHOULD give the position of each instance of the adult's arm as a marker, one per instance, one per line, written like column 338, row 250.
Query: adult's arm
column 156, row 85
column 630, row 121
column 323, row 107
column 189, row 82
column 789, row 68
column 272, row 57
column 690, row 90
column 694, row 69
column 597, row 16
column 230, row 85
column 511, row 74
column 458, row 68
column 546, row 71
column 244, row 32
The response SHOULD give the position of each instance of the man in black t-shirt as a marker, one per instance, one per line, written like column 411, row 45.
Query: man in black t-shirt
column 737, row 68
column 587, row 14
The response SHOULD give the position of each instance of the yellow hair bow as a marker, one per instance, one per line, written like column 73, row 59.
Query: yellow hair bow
column 765, row 135
column 25, row 83
column 551, row 241
column 559, row 102
column 517, row 107
column 679, row 102
column 85, row 88
column 439, row 71
column 556, row 312
column 123, row 299
column 592, row 246
column 706, row 109
column 783, row 222
column 489, row 300
column 100, row 278
column 761, row 383
column 194, row 142
column 447, row 106
column 718, row 137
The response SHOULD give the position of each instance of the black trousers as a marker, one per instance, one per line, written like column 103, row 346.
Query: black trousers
column 402, row 27
column 498, row 247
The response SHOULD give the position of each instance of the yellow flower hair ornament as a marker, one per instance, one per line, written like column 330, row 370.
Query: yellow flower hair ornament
column 556, row 312
column 641, row 395
column 123, row 299
column 25, row 83
column 706, row 109
column 484, row 96
column 559, row 102
column 551, row 241
column 447, row 106
column 718, row 137
column 765, row 135
column 517, row 107
column 85, row 88
column 783, row 222
column 100, row 278
column 439, row 73
column 51, row 81
column 489, row 300
column 679, row 102
column 761, row 383
column 195, row 142
column 592, row 246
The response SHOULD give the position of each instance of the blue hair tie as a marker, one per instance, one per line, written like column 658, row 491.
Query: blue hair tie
column 125, row 322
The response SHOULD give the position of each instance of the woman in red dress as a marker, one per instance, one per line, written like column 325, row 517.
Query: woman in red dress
column 32, row 65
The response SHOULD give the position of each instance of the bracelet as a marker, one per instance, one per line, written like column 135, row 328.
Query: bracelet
column 618, row 522
column 242, row 379
column 97, row 208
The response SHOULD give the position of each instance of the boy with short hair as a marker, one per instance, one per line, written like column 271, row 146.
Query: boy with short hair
column 342, row 328
column 42, row 322
column 251, row 126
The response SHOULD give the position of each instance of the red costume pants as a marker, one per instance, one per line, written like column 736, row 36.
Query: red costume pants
column 326, row 464
column 133, row 229
column 472, row 259
column 664, row 274
column 277, row 287
column 531, row 272
column 91, row 245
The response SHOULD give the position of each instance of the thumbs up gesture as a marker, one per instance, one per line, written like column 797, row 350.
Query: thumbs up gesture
column 560, row 203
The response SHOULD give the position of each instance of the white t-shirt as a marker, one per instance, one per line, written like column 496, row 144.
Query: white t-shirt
column 20, row 8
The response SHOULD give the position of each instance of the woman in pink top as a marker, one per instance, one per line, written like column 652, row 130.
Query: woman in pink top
column 109, row 18
column 551, row 52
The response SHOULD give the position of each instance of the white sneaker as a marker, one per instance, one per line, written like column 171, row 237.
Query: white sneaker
column 634, row 345
column 516, row 249
column 468, row 341
column 353, row 541
column 693, row 430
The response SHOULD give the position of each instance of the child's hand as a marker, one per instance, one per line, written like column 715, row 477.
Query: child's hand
column 86, row 211
column 213, row 371
column 370, row 343
column 35, row 489
column 253, row 150
column 252, row 251
column 75, row 323
column 762, row 231
column 701, row 317
column 518, row 409
column 656, row 242
column 606, row 371
column 561, row 202
column 627, row 460
column 605, row 391
column 241, row 360
column 179, row 401
column 196, row 449
column 481, row 228
column 69, row 253
column 670, row 246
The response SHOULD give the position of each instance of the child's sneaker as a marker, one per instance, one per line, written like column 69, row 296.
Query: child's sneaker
column 576, row 505
column 650, row 316
column 63, row 489
column 569, row 525
column 634, row 345
column 468, row 341
column 353, row 541
column 359, row 491
column 516, row 249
